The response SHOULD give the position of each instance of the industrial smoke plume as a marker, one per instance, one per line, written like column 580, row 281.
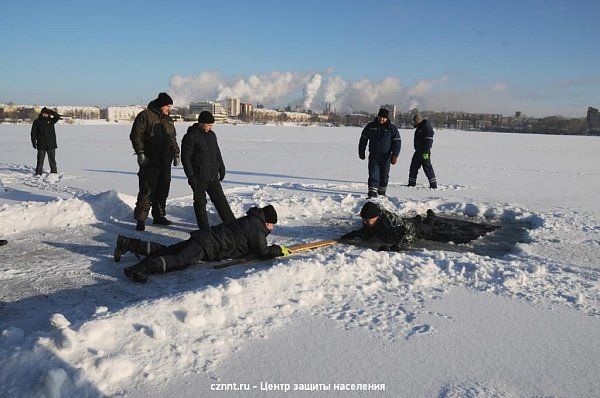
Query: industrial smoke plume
column 309, row 90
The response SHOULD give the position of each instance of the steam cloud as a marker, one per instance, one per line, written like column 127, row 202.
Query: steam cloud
column 311, row 89
column 303, row 89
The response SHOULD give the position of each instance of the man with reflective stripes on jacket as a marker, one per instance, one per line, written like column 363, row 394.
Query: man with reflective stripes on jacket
column 422, row 156
column 384, row 147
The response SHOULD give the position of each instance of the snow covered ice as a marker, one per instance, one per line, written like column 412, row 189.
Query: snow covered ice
column 445, row 322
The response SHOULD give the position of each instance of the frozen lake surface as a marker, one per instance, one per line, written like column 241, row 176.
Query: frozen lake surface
column 515, row 314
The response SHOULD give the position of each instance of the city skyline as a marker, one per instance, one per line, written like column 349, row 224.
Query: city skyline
column 536, row 57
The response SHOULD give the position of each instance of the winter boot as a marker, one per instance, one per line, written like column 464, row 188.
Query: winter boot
column 3, row 242
column 433, row 185
column 372, row 192
column 162, row 221
column 138, row 272
column 141, row 226
column 124, row 245
column 381, row 191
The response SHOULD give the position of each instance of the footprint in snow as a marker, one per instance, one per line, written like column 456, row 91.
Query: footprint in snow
column 419, row 329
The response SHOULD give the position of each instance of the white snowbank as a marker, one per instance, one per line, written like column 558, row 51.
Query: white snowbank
column 62, row 213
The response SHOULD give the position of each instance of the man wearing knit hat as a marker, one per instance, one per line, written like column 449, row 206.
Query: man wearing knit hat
column 154, row 141
column 398, row 233
column 43, row 138
column 422, row 155
column 384, row 147
column 205, row 169
column 244, row 236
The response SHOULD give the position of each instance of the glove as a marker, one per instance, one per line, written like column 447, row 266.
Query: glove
column 285, row 251
column 142, row 159
column 34, row 145
column 176, row 160
column 394, row 159
column 361, row 156
column 425, row 156
column 221, row 175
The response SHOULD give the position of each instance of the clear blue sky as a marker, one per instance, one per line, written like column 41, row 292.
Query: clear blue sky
column 84, row 52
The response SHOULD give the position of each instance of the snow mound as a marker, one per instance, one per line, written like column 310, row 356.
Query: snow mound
column 63, row 213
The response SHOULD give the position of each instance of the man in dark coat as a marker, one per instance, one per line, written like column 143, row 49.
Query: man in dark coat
column 384, row 148
column 422, row 155
column 397, row 233
column 154, row 141
column 204, row 168
column 43, row 138
column 246, row 235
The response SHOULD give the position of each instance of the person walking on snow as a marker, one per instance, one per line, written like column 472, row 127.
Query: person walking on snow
column 204, row 168
column 153, row 137
column 43, row 138
column 244, row 236
column 384, row 147
column 422, row 156
column 397, row 233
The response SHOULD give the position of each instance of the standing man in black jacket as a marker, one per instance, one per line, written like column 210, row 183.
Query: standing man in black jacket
column 204, row 168
column 154, row 141
column 43, row 138
column 247, row 235
column 422, row 155
column 384, row 148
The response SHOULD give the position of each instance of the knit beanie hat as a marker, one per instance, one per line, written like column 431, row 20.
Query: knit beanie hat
column 270, row 214
column 163, row 99
column 384, row 113
column 206, row 117
column 369, row 210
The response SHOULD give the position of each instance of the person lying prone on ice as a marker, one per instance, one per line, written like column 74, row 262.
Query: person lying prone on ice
column 398, row 233
column 244, row 236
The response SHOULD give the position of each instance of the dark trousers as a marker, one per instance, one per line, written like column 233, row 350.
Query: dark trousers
column 154, row 183
column 41, row 156
column 416, row 163
column 379, row 173
column 174, row 257
column 217, row 196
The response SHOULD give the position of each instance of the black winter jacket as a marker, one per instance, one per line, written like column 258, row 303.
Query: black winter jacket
column 391, row 229
column 424, row 137
column 201, row 156
column 244, row 236
column 43, row 135
column 154, row 135
column 384, row 139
